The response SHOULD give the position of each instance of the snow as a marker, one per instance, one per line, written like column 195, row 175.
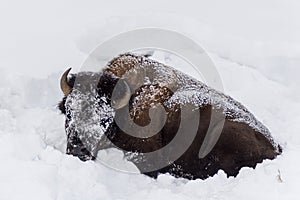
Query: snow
column 255, row 46
column 85, row 117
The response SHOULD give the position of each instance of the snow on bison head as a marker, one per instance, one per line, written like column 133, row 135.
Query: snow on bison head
column 138, row 105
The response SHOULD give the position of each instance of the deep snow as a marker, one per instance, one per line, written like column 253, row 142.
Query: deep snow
column 254, row 45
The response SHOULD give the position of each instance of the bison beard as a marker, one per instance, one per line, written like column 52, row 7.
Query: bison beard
column 91, row 126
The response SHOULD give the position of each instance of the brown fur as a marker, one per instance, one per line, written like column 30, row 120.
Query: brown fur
column 238, row 146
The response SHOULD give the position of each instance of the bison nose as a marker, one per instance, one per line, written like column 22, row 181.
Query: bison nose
column 80, row 151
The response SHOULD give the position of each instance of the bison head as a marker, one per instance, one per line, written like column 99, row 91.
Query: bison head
column 89, row 110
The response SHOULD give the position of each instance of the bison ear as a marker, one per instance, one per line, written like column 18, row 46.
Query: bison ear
column 121, row 94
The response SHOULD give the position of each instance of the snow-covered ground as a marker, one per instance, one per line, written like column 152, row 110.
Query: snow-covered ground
column 255, row 46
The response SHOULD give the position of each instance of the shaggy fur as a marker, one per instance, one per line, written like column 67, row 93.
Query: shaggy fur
column 238, row 146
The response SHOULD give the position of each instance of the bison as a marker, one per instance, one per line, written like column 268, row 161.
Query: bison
column 218, row 133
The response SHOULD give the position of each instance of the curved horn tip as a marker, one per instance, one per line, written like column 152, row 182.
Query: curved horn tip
column 64, row 82
column 68, row 70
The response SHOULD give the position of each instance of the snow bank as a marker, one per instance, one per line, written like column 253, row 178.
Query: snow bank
column 34, row 164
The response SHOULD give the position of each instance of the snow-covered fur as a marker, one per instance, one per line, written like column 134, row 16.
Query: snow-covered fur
column 91, row 124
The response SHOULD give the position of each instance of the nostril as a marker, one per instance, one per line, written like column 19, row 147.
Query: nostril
column 79, row 151
column 83, row 150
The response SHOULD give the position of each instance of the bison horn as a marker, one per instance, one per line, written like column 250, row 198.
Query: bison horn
column 121, row 94
column 65, row 87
